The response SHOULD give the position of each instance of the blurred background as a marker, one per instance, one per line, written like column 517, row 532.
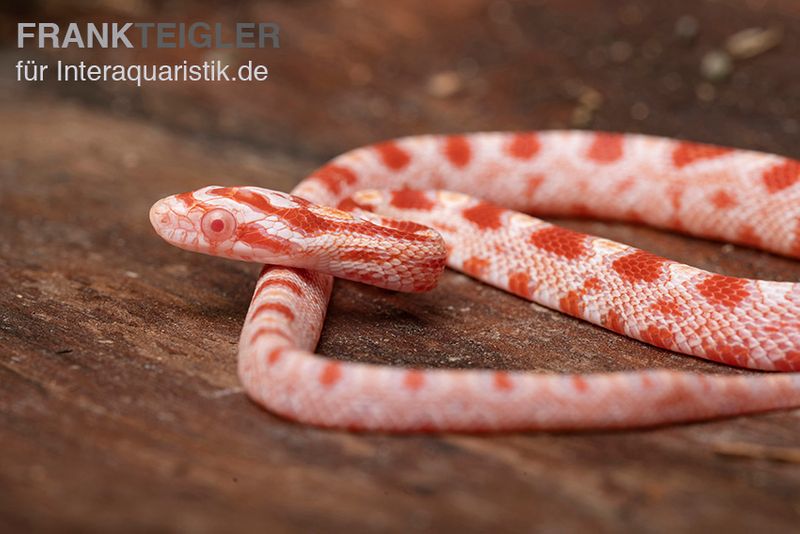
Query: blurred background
column 351, row 71
column 120, row 408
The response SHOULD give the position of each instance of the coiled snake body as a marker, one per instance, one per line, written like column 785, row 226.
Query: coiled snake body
column 368, row 215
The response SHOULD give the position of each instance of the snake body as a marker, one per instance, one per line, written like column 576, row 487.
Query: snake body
column 393, row 213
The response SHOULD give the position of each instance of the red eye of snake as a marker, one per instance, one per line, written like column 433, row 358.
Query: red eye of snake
column 218, row 225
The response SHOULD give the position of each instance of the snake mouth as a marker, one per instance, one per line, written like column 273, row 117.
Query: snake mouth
column 168, row 225
column 163, row 219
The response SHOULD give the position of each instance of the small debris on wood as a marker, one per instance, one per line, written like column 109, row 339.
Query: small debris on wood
column 589, row 101
column 716, row 65
column 445, row 84
column 225, row 392
column 753, row 42
column 581, row 117
column 758, row 452
column 590, row 98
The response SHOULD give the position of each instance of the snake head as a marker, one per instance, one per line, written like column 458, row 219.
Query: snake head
column 241, row 223
column 255, row 224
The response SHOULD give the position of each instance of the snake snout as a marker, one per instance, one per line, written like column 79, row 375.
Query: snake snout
column 160, row 216
column 164, row 220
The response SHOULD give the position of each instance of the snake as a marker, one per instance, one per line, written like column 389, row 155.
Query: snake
column 394, row 214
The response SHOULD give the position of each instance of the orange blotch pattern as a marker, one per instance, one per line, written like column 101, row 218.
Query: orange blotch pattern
column 580, row 385
column 723, row 200
column 405, row 226
column 592, row 284
column 186, row 198
column 333, row 176
column 475, row 266
column 518, row 283
column 411, row 199
column 502, row 381
column 292, row 286
column 667, row 307
column 524, row 145
column 331, row 374
column 485, row 215
column 560, row 241
column 367, row 256
column 263, row 331
column 731, row 355
column 276, row 307
column 658, row 336
column 348, row 204
column 392, row 155
column 606, row 148
column 747, row 236
column 723, row 290
column 613, row 321
column 457, row 150
column 639, row 266
column 251, row 198
column 781, row 176
column 414, row 380
column 257, row 237
column 274, row 356
column 790, row 362
column 571, row 304
column 687, row 153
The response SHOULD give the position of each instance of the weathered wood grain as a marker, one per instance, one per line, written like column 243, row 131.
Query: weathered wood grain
column 119, row 404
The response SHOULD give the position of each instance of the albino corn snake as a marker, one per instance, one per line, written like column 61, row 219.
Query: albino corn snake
column 726, row 194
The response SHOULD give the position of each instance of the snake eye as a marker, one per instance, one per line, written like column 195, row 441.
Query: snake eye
column 218, row 225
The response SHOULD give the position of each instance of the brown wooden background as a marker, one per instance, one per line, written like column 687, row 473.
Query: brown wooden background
column 119, row 404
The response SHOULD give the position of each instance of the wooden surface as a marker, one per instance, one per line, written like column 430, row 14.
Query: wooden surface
column 119, row 403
